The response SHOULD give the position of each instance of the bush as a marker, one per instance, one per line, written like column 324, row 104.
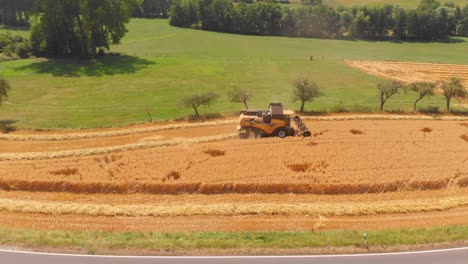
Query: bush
column 9, row 50
column 459, row 112
column 339, row 109
column 204, row 117
column 429, row 110
column 356, row 108
column 14, row 47
column 396, row 111
column 4, row 57
column 23, row 50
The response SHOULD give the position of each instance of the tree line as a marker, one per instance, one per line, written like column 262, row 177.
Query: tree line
column 431, row 20
column 18, row 12
column 78, row 28
column 306, row 90
column 452, row 88
column 153, row 8
column 15, row 12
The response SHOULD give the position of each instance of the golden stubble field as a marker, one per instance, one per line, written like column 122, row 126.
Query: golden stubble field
column 350, row 173
column 412, row 71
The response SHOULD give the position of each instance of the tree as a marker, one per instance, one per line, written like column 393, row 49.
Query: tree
column 463, row 22
column 454, row 88
column 312, row 2
column 399, row 28
column 4, row 88
column 423, row 89
column 240, row 96
column 79, row 28
column 305, row 91
column 184, row 13
column 387, row 90
column 197, row 100
column 153, row 8
column 15, row 12
column 428, row 4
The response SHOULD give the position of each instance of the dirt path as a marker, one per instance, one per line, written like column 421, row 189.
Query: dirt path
column 452, row 217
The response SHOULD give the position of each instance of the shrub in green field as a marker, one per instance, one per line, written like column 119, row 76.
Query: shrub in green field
column 4, row 57
column 14, row 47
column 23, row 50
column 429, row 110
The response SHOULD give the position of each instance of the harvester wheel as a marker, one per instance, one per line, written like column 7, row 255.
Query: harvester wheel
column 267, row 119
column 282, row 133
column 244, row 133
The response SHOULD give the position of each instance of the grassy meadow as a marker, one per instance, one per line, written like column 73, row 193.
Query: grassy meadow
column 160, row 64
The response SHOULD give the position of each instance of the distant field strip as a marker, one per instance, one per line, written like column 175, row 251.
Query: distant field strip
column 232, row 209
column 112, row 149
column 110, row 132
column 225, row 188
column 130, row 131
column 385, row 117
column 412, row 71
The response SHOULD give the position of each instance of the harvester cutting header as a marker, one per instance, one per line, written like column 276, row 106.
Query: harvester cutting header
column 274, row 122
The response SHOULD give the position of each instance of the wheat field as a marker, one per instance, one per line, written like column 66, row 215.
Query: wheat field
column 347, row 156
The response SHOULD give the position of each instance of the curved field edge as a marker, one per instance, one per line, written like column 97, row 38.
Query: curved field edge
column 70, row 135
column 112, row 149
column 335, row 241
column 235, row 209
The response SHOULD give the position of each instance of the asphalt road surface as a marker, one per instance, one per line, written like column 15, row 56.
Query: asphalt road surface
column 447, row 256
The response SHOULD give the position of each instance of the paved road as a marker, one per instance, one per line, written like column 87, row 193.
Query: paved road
column 450, row 256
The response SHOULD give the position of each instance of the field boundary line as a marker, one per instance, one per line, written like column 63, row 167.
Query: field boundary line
column 230, row 209
column 385, row 117
column 132, row 131
column 111, row 149
column 110, row 133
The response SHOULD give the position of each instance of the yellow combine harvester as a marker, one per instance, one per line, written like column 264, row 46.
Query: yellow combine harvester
column 275, row 122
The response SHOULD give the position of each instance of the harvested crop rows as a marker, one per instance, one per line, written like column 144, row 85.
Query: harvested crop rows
column 412, row 71
column 360, row 167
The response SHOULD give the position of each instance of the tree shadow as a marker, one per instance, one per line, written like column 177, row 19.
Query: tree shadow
column 6, row 126
column 16, row 28
column 105, row 65
column 447, row 40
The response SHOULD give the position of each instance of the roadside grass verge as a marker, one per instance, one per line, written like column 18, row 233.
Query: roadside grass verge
column 96, row 241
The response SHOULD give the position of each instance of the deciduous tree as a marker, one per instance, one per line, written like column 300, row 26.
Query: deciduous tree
column 79, row 28
column 240, row 96
column 388, row 89
column 423, row 89
column 454, row 88
column 197, row 100
column 304, row 91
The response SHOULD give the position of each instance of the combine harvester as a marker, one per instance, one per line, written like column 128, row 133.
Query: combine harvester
column 275, row 122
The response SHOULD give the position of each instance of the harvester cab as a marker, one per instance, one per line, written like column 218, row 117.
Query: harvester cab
column 274, row 122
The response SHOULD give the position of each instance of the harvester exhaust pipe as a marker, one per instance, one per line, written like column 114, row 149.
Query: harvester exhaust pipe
column 303, row 130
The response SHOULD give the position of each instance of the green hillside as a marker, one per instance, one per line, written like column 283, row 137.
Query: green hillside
column 161, row 64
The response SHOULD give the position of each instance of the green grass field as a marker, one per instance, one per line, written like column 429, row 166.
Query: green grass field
column 161, row 64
